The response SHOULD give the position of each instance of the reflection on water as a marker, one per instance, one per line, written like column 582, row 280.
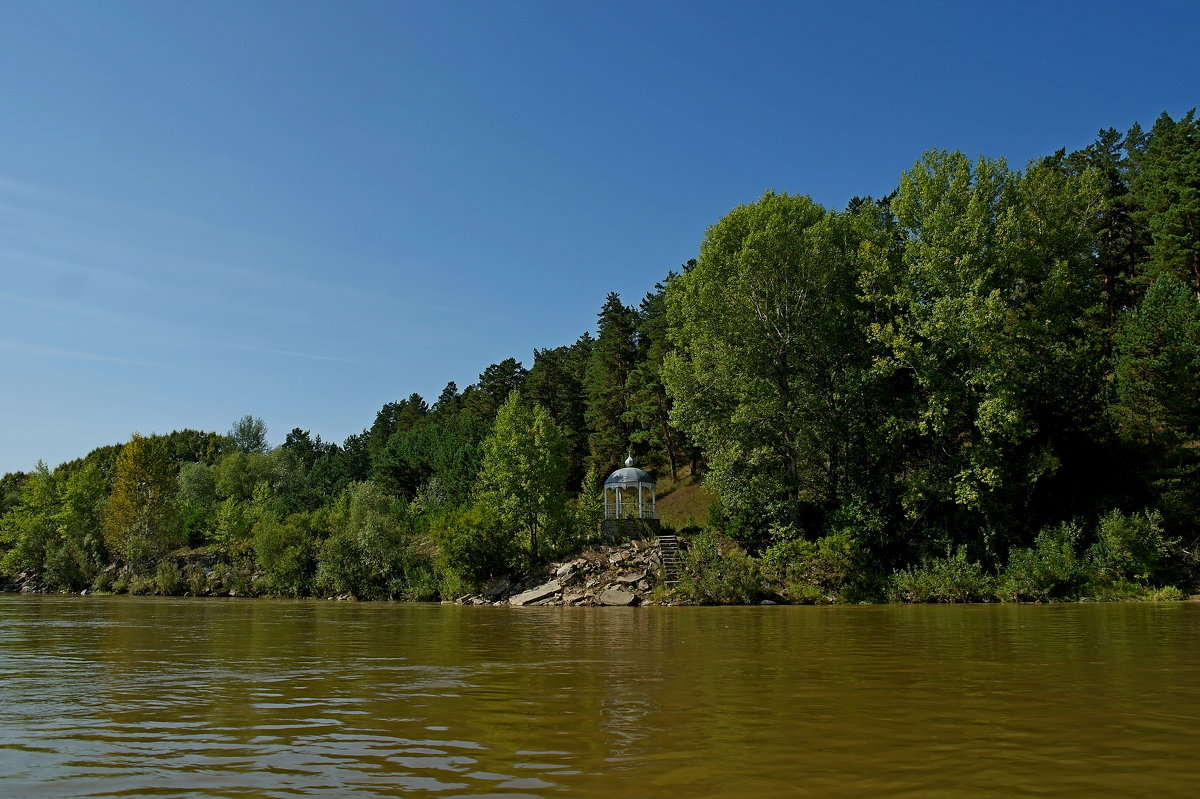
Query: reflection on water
column 112, row 696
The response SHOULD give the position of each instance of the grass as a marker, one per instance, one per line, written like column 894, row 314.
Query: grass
column 684, row 502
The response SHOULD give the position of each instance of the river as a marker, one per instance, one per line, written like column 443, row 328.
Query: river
column 143, row 696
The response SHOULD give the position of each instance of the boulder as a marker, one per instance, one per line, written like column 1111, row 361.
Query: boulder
column 497, row 587
column 615, row 597
column 536, row 594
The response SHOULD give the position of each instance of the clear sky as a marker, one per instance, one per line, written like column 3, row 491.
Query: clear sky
column 303, row 210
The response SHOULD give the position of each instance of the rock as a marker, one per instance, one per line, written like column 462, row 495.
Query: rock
column 536, row 594
column 565, row 572
column 615, row 597
column 766, row 602
column 618, row 557
column 497, row 588
column 627, row 579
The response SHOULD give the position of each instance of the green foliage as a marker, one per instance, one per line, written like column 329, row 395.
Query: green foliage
column 524, row 469
column 649, row 403
column 54, row 530
column 611, row 361
column 1165, row 190
column 196, row 498
column 951, row 579
column 1129, row 547
column 284, row 552
column 232, row 523
column 168, row 579
column 1051, row 569
column 556, row 382
column 769, row 359
column 831, row 569
column 368, row 553
column 718, row 572
column 249, row 435
column 985, row 320
column 1168, row 594
column 473, row 546
column 1157, row 404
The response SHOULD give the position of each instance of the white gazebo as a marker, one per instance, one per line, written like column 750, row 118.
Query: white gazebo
column 629, row 494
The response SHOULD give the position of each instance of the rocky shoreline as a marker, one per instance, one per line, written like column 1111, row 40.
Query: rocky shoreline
column 624, row 574
column 629, row 573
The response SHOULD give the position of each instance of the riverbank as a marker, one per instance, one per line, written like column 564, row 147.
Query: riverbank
column 630, row 573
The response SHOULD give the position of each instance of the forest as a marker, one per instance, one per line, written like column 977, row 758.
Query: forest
column 984, row 386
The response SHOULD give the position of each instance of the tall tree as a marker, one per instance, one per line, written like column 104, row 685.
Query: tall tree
column 649, row 404
column 612, row 358
column 54, row 531
column 556, row 383
column 140, row 521
column 249, row 435
column 768, row 356
column 524, row 467
column 986, row 319
column 1166, row 190
column 495, row 384
column 1157, row 403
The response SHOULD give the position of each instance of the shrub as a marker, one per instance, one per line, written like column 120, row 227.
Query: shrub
column 1168, row 594
column 950, row 579
column 719, row 572
column 197, row 581
column 830, row 569
column 235, row 579
column 103, row 582
column 283, row 551
column 140, row 585
column 1129, row 547
column 168, row 579
column 472, row 547
column 1051, row 569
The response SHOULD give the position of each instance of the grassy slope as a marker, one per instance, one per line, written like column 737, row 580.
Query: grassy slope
column 684, row 502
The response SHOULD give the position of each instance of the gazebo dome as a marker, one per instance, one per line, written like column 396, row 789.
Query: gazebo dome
column 629, row 476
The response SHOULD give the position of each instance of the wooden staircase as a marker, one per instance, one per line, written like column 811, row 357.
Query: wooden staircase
column 668, row 547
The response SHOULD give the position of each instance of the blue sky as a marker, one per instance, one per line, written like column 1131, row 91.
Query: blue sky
column 303, row 210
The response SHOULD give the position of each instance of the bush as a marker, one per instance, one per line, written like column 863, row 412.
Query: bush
column 234, row 579
column 1168, row 594
column 830, row 569
column 103, row 582
column 950, row 579
column 140, row 585
column 1129, row 547
column 1051, row 569
column 283, row 551
column 168, row 579
column 472, row 547
column 719, row 572
column 197, row 581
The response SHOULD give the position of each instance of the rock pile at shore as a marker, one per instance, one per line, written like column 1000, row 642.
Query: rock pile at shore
column 622, row 574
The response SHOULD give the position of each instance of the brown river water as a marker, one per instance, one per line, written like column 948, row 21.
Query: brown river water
column 141, row 696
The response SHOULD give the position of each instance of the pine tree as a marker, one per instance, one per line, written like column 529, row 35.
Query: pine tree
column 613, row 358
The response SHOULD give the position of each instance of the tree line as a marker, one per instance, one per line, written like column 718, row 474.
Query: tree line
column 985, row 384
